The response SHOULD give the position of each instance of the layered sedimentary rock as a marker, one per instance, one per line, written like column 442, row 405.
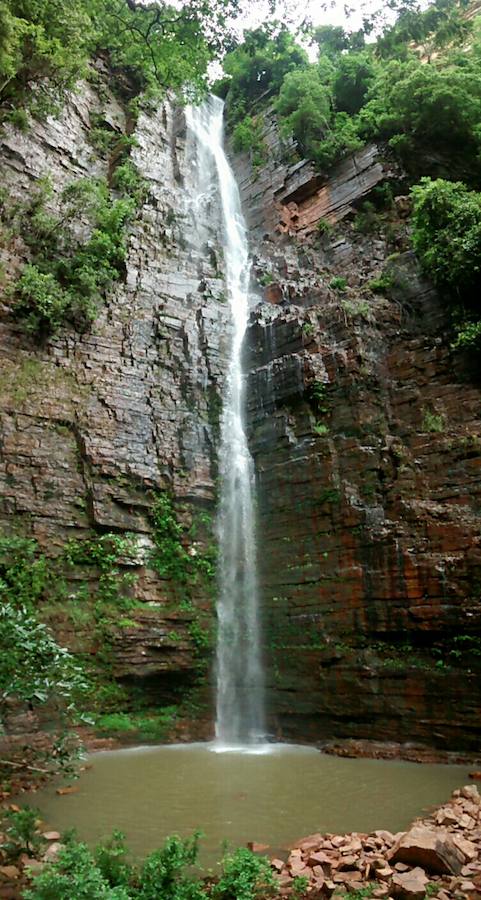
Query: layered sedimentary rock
column 94, row 424
column 364, row 426
column 366, row 434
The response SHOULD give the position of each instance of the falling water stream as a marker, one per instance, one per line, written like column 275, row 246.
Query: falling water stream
column 240, row 703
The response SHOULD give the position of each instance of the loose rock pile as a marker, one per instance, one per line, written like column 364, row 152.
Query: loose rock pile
column 438, row 857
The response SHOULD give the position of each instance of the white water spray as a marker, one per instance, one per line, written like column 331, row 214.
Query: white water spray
column 240, row 689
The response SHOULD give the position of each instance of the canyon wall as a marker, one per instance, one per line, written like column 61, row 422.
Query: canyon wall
column 366, row 433
column 365, row 427
column 96, row 425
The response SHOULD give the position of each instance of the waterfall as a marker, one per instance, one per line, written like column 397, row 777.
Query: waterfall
column 240, row 694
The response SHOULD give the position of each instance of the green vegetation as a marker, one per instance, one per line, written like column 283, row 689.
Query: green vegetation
column 106, row 873
column 46, row 46
column 256, row 68
column 35, row 595
column 417, row 87
column 358, row 893
column 144, row 726
column 21, row 833
column 381, row 284
column 33, row 667
column 432, row 421
column 170, row 558
column 338, row 283
column 67, row 278
column 356, row 92
column 89, row 586
column 447, row 235
column 247, row 135
column 447, row 239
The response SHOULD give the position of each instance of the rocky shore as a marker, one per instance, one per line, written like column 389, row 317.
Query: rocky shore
column 437, row 857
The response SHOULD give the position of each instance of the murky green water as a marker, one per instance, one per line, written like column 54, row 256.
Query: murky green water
column 273, row 798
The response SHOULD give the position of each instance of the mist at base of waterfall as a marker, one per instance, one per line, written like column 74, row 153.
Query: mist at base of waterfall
column 275, row 796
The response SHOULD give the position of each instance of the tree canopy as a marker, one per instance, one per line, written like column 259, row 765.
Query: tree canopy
column 45, row 45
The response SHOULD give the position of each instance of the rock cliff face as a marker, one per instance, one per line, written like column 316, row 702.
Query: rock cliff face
column 366, row 434
column 94, row 424
column 364, row 426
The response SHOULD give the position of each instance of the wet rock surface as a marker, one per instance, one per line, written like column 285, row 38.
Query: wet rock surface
column 366, row 434
column 93, row 424
column 364, row 425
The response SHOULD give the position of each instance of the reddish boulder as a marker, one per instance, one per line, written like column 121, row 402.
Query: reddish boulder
column 434, row 850
column 409, row 885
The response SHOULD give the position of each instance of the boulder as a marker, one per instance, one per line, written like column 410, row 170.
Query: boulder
column 277, row 864
column 468, row 849
column 432, row 849
column 34, row 866
column 409, row 885
column 9, row 872
column 52, row 851
column 51, row 835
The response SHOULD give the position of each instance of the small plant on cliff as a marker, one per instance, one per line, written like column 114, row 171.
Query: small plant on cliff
column 433, row 422
column 247, row 136
column 338, row 283
column 170, row 559
column 324, row 227
column 67, row 279
column 381, row 284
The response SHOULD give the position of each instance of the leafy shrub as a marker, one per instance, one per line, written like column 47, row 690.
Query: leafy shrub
column 245, row 876
column 111, row 858
column 338, row 283
column 66, row 283
column 74, row 874
column 127, row 180
column 106, row 874
column 381, row 284
column 41, row 301
column 162, row 872
column 33, row 666
column 447, row 234
column 447, row 239
column 433, row 422
column 468, row 335
column 21, row 832
column 247, row 136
